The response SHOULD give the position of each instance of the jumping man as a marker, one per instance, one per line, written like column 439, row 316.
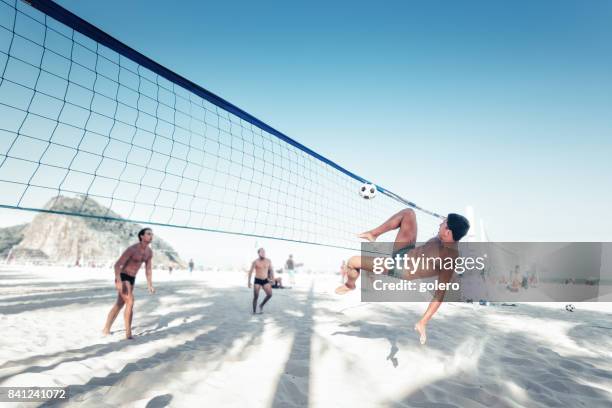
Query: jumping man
column 444, row 245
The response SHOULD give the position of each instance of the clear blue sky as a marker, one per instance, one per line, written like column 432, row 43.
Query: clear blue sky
column 506, row 106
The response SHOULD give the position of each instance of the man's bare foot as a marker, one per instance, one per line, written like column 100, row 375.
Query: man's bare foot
column 105, row 332
column 420, row 327
column 347, row 287
column 260, row 309
column 367, row 235
column 129, row 337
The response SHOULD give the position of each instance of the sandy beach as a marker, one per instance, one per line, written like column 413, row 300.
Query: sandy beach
column 197, row 344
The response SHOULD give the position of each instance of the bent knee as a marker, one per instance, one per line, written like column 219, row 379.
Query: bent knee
column 408, row 212
column 354, row 262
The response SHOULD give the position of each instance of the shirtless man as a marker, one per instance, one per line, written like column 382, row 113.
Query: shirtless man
column 263, row 269
column 126, row 269
column 444, row 245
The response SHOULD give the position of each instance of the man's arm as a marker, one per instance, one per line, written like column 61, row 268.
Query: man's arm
column 149, row 273
column 434, row 305
column 251, row 273
column 270, row 271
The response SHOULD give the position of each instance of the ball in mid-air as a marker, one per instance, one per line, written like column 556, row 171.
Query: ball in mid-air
column 570, row 308
column 367, row 191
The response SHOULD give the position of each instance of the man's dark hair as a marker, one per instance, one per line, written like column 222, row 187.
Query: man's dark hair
column 458, row 224
column 142, row 232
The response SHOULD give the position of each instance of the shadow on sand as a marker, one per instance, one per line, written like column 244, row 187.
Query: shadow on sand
column 503, row 356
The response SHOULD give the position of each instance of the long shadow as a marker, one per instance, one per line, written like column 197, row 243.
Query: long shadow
column 547, row 378
column 14, row 276
column 64, row 295
column 217, row 341
column 47, row 285
column 206, row 347
column 593, row 336
column 300, row 350
column 67, row 301
column 445, row 334
column 55, row 294
column 159, row 401
column 144, row 316
column 98, row 350
column 397, row 326
column 374, row 331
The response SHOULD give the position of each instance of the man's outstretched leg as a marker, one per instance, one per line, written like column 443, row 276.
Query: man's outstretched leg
column 405, row 220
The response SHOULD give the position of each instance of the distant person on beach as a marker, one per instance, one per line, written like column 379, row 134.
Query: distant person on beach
column 443, row 245
column 126, row 269
column 290, row 266
column 191, row 265
column 515, row 280
column 263, row 268
column 275, row 280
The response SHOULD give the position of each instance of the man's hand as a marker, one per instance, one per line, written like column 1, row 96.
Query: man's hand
column 151, row 289
column 119, row 285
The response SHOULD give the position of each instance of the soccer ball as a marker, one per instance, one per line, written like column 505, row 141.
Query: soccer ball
column 367, row 191
column 570, row 308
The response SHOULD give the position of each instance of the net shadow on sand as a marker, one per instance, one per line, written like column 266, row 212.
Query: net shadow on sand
column 197, row 313
column 496, row 359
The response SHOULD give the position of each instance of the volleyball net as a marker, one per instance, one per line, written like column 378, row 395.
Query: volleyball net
column 84, row 115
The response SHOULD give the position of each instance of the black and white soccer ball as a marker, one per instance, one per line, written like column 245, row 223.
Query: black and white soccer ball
column 368, row 191
column 570, row 308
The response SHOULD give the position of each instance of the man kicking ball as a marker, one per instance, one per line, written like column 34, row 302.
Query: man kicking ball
column 126, row 269
column 444, row 245
column 263, row 269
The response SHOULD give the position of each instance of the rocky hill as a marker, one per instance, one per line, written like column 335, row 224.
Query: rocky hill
column 9, row 237
column 78, row 240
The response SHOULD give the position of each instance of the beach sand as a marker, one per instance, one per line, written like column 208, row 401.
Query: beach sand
column 197, row 344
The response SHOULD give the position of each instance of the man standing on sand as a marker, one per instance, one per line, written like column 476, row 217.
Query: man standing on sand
column 126, row 269
column 444, row 245
column 263, row 269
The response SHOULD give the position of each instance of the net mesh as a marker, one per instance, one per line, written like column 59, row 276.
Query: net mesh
column 78, row 118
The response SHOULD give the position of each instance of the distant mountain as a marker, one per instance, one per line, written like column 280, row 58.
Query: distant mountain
column 72, row 239
column 9, row 237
